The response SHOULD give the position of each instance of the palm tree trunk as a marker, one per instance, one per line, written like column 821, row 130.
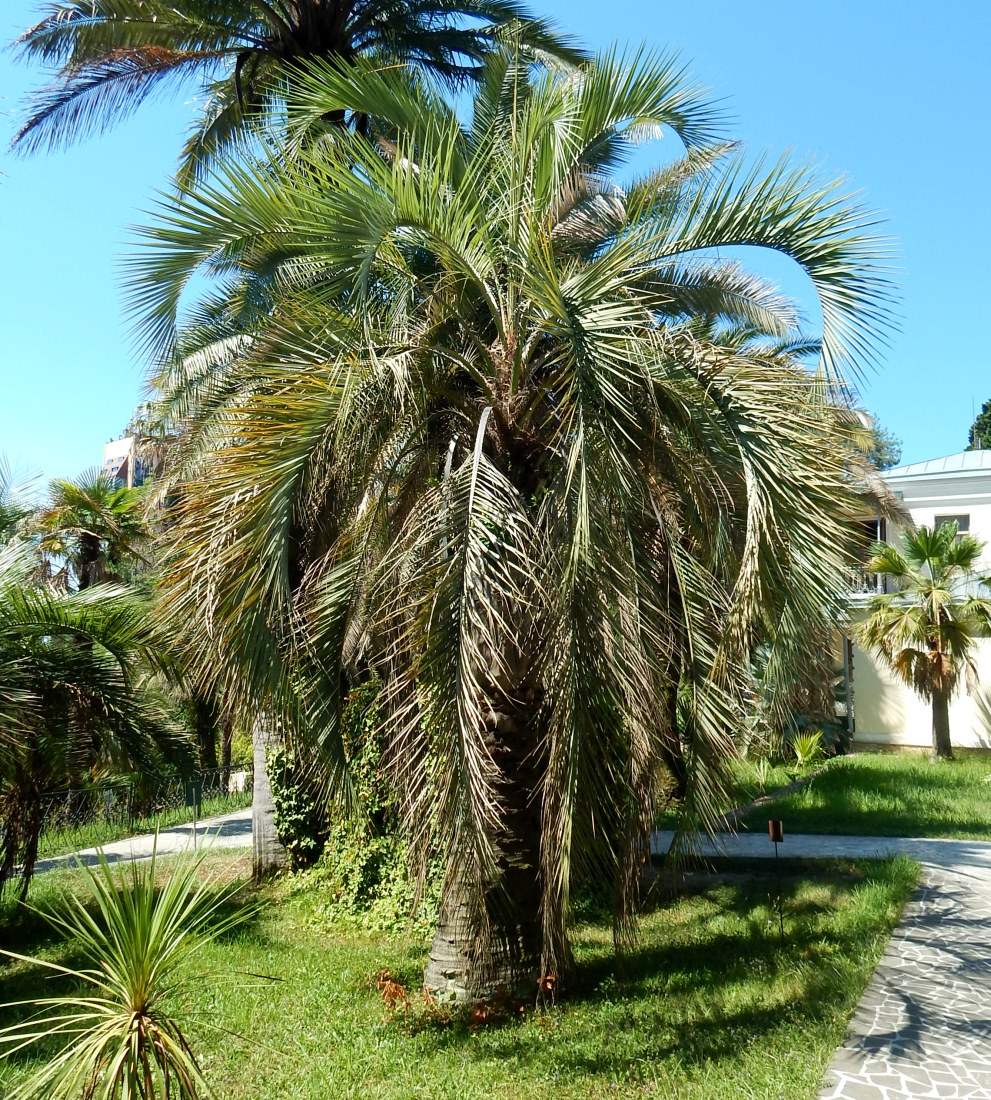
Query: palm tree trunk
column 473, row 958
column 268, row 850
column 671, row 752
column 206, row 723
column 942, row 749
column 447, row 975
column 458, row 968
column 226, row 742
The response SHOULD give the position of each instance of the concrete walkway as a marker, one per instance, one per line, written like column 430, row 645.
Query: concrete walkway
column 923, row 1026
column 227, row 831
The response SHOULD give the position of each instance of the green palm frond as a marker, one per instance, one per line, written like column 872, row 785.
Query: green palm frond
column 95, row 527
column 110, row 55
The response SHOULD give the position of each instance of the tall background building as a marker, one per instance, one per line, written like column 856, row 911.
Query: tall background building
column 121, row 461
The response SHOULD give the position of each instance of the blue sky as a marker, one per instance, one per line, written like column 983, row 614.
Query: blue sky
column 894, row 94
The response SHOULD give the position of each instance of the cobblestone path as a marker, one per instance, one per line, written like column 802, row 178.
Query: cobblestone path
column 923, row 1026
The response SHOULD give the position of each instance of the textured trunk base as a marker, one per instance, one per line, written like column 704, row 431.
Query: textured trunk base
column 500, row 954
column 942, row 750
column 455, row 974
column 268, row 852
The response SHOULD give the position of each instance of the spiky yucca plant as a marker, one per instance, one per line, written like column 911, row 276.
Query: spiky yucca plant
column 465, row 410
column 119, row 1035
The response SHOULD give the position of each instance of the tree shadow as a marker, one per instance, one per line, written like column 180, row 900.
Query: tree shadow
column 701, row 996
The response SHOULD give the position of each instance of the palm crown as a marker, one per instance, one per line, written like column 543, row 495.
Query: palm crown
column 111, row 54
column 926, row 630
column 76, row 697
column 468, row 411
column 93, row 528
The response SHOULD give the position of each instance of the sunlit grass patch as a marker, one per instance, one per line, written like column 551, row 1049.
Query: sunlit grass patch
column 710, row 1003
column 881, row 794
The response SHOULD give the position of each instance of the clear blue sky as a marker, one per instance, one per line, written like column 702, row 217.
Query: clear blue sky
column 893, row 93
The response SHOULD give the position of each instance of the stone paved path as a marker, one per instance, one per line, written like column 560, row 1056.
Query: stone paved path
column 923, row 1027
column 227, row 831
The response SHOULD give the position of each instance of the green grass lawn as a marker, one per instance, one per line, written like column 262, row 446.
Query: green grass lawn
column 742, row 788
column 882, row 794
column 713, row 1006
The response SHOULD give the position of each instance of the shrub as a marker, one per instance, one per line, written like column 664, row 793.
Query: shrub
column 299, row 816
column 361, row 728
column 364, row 872
column 366, row 881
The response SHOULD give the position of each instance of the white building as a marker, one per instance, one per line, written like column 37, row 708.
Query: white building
column 121, row 461
column 886, row 711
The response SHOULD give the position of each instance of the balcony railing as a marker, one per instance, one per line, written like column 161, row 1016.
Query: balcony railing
column 863, row 583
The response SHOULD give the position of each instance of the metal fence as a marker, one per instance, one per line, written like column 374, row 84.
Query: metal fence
column 96, row 815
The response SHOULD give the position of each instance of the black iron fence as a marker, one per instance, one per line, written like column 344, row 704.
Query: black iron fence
column 91, row 816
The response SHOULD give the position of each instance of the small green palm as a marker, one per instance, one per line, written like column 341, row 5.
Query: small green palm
column 926, row 631
column 807, row 747
column 14, row 508
column 92, row 530
column 75, row 696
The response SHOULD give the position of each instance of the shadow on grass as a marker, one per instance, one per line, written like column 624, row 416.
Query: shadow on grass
column 703, row 988
column 708, row 983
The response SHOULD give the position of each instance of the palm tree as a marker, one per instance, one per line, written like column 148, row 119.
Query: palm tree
column 109, row 55
column 926, row 631
column 14, row 509
column 75, row 696
column 92, row 528
column 523, row 441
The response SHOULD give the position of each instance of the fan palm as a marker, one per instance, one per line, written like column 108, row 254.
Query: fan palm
column 74, row 696
column 927, row 630
column 92, row 528
column 110, row 55
column 520, row 439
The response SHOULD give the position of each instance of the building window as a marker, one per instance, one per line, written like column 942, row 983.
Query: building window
column 962, row 522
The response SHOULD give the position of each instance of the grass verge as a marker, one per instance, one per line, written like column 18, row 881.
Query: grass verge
column 712, row 1006
column 881, row 794
column 742, row 788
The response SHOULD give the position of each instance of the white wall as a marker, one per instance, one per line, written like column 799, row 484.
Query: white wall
column 888, row 712
column 964, row 494
column 118, row 448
